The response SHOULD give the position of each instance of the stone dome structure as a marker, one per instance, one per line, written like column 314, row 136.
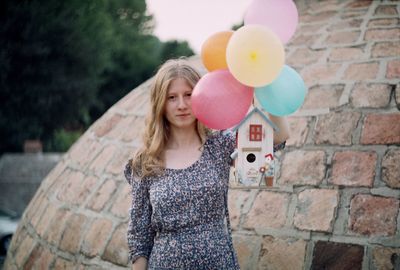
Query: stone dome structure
column 336, row 204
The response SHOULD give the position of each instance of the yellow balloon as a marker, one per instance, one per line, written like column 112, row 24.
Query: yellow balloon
column 213, row 51
column 255, row 55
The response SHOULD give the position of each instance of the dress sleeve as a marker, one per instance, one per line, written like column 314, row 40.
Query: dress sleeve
column 140, row 233
column 226, row 143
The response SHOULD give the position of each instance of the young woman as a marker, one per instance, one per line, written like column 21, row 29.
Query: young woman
column 179, row 182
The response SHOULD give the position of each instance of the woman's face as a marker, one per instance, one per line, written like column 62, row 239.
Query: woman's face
column 178, row 108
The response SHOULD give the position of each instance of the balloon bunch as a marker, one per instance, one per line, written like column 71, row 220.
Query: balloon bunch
column 247, row 61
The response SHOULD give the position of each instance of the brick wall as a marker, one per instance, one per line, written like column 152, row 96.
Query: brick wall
column 337, row 201
column 336, row 205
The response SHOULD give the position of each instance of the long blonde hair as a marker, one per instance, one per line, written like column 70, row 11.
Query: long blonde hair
column 148, row 159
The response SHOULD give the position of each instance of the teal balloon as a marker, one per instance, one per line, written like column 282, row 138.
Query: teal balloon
column 284, row 95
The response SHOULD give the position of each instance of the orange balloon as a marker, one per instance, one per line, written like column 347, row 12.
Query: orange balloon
column 213, row 51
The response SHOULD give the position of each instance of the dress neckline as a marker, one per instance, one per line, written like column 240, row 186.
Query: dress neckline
column 194, row 163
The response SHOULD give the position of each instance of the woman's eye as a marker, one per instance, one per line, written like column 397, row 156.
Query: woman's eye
column 171, row 97
column 189, row 94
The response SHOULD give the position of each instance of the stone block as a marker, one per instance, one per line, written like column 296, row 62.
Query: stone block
column 72, row 181
column 381, row 129
column 298, row 131
column 46, row 219
column 321, row 97
column 371, row 95
column 268, row 211
column 64, row 264
column 386, row 49
column 42, row 205
column 73, row 232
column 133, row 132
column 391, row 168
column 102, row 195
column 315, row 209
column 346, row 24
column 336, row 38
column 118, row 163
column 274, row 253
column 45, row 260
column 386, row 10
column 337, row 256
column 361, row 71
column 304, row 56
column 345, row 54
column 33, row 257
column 302, row 39
column 310, row 28
column 103, row 159
column 247, row 249
column 121, row 205
column 336, row 128
column 106, row 123
column 95, row 240
column 118, row 131
column 351, row 168
column 117, row 249
column 386, row 258
column 57, row 225
column 236, row 200
column 24, row 250
column 373, row 215
column 393, row 69
column 381, row 34
column 318, row 17
column 383, row 22
column 358, row 4
column 319, row 73
column 83, row 152
column 303, row 168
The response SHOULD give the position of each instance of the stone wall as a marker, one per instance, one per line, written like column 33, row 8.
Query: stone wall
column 336, row 203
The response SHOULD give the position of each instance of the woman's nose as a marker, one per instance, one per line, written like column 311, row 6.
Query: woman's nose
column 181, row 103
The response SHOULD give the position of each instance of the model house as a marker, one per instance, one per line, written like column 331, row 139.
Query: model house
column 254, row 157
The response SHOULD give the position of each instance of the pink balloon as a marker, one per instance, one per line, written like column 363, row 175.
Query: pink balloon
column 280, row 16
column 219, row 101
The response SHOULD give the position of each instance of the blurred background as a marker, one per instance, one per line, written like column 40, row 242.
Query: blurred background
column 62, row 65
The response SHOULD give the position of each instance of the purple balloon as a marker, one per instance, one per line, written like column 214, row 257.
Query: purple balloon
column 219, row 101
column 280, row 16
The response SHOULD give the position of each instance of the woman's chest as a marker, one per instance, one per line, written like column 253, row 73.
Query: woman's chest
column 180, row 191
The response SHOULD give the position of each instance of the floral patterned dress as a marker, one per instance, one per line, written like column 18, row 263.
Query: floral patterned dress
column 179, row 219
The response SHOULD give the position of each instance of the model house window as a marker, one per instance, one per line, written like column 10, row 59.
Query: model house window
column 255, row 132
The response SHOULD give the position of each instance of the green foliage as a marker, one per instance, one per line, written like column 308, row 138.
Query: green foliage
column 64, row 63
column 62, row 140
column 54, row 52
column 175, row 49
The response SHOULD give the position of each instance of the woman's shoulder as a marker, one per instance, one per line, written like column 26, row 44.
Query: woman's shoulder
column 221, row 136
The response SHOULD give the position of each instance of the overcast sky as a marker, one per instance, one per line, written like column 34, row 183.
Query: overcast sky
column 195, row 20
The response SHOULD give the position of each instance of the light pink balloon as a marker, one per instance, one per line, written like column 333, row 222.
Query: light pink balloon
column 280, row 16
column 219, row 101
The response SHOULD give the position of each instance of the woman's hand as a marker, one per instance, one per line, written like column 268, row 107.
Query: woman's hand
column 140, row 264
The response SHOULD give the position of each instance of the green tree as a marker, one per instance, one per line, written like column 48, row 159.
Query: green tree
column 52, row 53
column 174, row 49
column 64, row 63
column 134, row 53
